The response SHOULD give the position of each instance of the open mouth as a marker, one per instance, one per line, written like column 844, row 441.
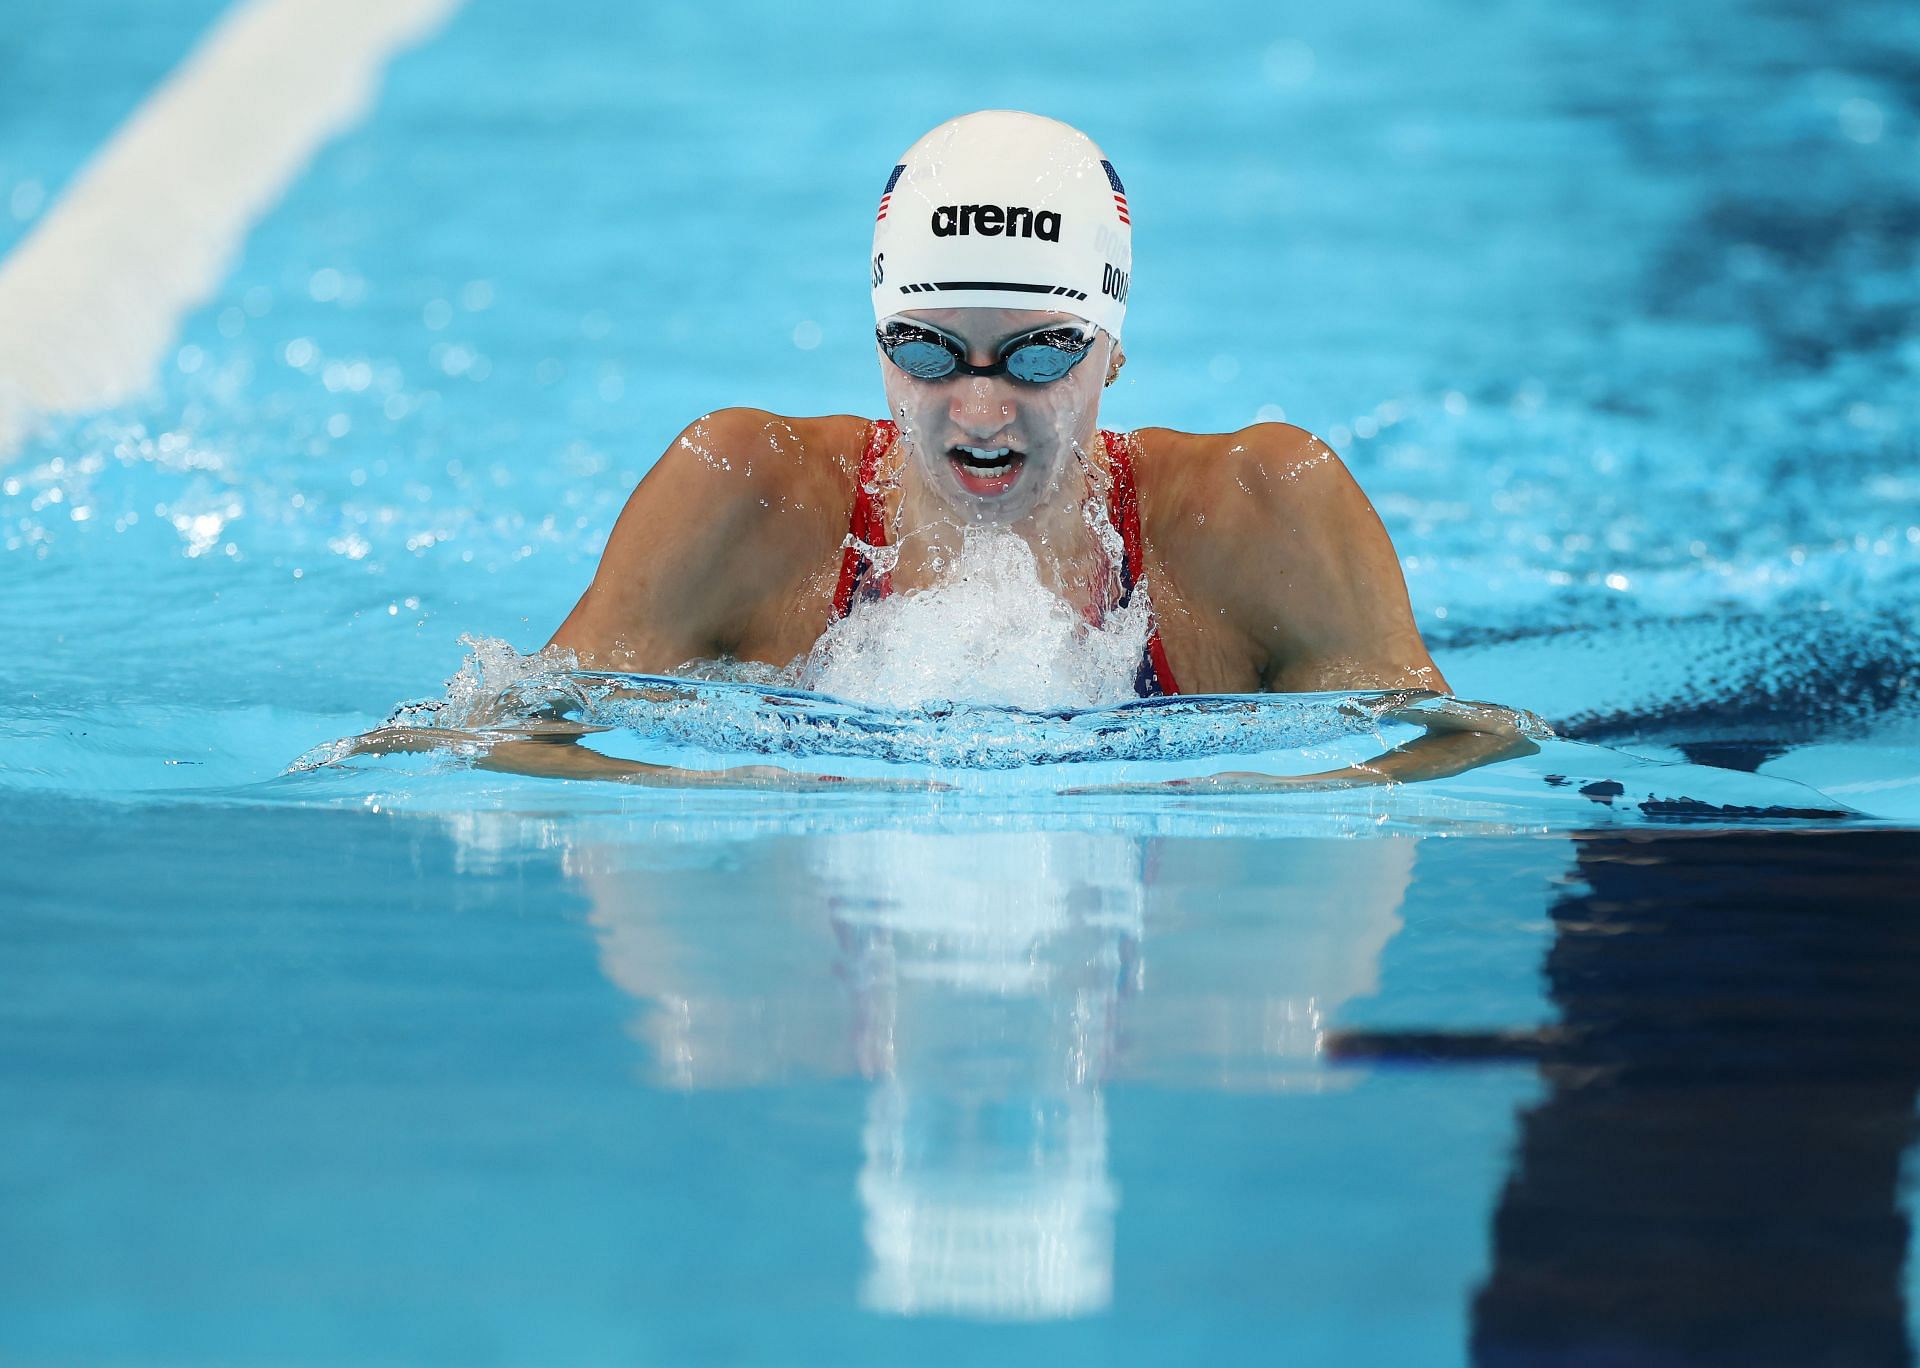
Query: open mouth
column 986, row 471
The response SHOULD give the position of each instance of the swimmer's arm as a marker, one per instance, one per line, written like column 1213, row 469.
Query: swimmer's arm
column 554, row 752
column 1456, row 737
column 1308, row 573
column 692, row 555
column 1321, row 594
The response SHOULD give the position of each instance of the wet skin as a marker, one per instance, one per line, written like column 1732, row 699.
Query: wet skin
column 1267, row 566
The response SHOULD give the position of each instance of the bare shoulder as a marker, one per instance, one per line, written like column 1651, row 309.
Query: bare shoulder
column 1207, row 495
column 719, row 540
column 1249, row 473
column 741, row 478
column 752, row 451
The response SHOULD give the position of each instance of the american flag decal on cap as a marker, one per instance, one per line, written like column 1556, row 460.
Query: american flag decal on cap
column 893, row 180
column 1119, row 191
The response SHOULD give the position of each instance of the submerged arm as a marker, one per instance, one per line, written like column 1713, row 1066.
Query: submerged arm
column 1481, row 734
column 1456, row 737
column 555, row 752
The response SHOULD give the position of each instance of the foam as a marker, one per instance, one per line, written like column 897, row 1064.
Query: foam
column 951, row 642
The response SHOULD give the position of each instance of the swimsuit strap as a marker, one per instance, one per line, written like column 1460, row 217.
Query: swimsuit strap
column 867, row 527
column 1123, row 507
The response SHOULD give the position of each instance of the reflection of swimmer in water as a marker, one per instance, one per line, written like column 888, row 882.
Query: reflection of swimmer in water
column 989, row 986
column 1001, row 266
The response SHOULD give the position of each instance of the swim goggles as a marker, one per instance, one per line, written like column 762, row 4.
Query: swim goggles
column 1037, row 357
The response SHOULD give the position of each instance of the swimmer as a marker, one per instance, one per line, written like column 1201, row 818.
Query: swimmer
column 1000, row 274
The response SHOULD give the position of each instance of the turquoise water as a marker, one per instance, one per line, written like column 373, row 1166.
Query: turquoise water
column 1614, row 317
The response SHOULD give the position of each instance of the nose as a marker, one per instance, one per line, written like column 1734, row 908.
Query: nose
column 981, row 405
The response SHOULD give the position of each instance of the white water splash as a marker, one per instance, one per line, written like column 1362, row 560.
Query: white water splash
column 497, row 684
column 989, row 632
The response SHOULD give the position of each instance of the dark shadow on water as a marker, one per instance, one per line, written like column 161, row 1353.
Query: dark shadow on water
column 1714, row 1176
column 1747, row 756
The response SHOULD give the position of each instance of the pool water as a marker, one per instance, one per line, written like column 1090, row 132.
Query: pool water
column 1604, row 1054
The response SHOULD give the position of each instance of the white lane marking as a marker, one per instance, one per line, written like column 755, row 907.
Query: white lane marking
column 92, row 299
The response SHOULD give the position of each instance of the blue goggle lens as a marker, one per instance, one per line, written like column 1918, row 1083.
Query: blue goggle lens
column 1036, row 358
column 920, row 358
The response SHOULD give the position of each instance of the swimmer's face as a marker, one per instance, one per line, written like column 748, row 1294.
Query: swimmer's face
column 993, row 446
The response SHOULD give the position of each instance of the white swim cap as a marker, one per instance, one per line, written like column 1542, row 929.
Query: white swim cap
column 1002, row 210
